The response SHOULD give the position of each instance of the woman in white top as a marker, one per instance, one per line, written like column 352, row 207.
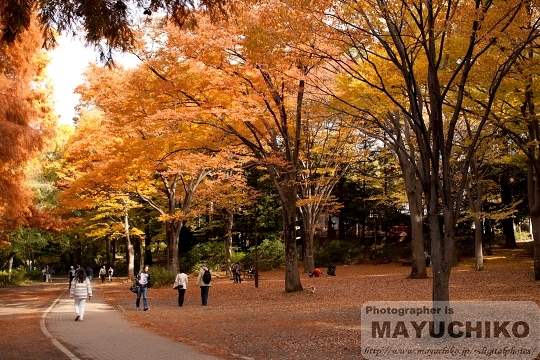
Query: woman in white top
column 80, row 290
column 181, row 284
column 111, row 271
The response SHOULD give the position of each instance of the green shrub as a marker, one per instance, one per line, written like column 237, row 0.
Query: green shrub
column 381, row 253
column 210, row 252
column 338, row 252
column 18, row 276
column 271, row 255
column 238, row 257
column 159, row 276
column 35, row 275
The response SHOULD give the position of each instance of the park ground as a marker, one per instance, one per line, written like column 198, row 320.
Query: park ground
column 267, row 323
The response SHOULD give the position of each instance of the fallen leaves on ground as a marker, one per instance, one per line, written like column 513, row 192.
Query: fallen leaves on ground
column 267, row 323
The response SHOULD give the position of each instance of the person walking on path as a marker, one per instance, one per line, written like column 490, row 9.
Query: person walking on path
column 80, row 291
column 181, row 284
column 89, row 273
column 71, row 275
column 111, row 272
column 143, row 280
column 204, row 280
column 102, row 273
column 44, row 272
column 237, row 272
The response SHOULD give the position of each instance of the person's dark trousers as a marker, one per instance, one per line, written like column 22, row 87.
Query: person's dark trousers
column 181, row 293
column 204, row 294
column 70, row 280
column 237, row 277
column 102, row 278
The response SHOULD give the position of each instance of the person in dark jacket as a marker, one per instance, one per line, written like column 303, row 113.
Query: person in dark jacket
column 71, row 275
column 89, row 273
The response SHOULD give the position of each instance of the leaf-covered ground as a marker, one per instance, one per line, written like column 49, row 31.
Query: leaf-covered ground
column 267, row 323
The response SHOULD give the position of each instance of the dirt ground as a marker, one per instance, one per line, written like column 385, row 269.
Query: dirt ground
column 20, row 315
column 267, row 323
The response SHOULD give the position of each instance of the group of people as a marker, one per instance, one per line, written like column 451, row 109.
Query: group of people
column 181, row 282
column 47, row 273
column 81, row 288
column 331, row 271
column 72, row 273
column 204, row 281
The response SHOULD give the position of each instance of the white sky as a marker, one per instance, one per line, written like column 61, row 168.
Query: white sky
column 68, row 62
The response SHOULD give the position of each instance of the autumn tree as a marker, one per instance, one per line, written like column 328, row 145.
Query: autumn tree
column 518, row 117
column 419, row 60
column 26, row 122
column 163, row 159
column 262, row 83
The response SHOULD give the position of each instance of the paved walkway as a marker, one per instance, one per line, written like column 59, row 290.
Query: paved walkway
column 104, row 334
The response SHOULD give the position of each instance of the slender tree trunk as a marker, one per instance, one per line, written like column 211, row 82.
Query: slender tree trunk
column 414, row 191
column 108, row 247
column 169, row 234
column 130, row 252
column 10, row 267
column 478, row 251
column 228, row 219
column 113, row 246
column 508, row 223
column 141, row 253
column 341, row 198
column 147, row 242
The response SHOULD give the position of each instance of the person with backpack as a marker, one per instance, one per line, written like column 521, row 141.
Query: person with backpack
column 143, row 280
column 204, row 280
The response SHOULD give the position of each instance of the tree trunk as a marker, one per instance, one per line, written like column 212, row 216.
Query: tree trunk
column 478, row 251
column 130, row 253
column 535, row 222
column 141, row 252
column 309, row 235
column 508, row 223
column 10, row 267
column 418, row 269
column 147, row 242
column 292, row 275
column 414, row 191
column 108, row 247
column 228, row 219
column 341, row 199
column 113, row 246
column 440, row 255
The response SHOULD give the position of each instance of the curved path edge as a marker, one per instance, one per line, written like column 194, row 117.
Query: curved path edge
column 42, row 324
